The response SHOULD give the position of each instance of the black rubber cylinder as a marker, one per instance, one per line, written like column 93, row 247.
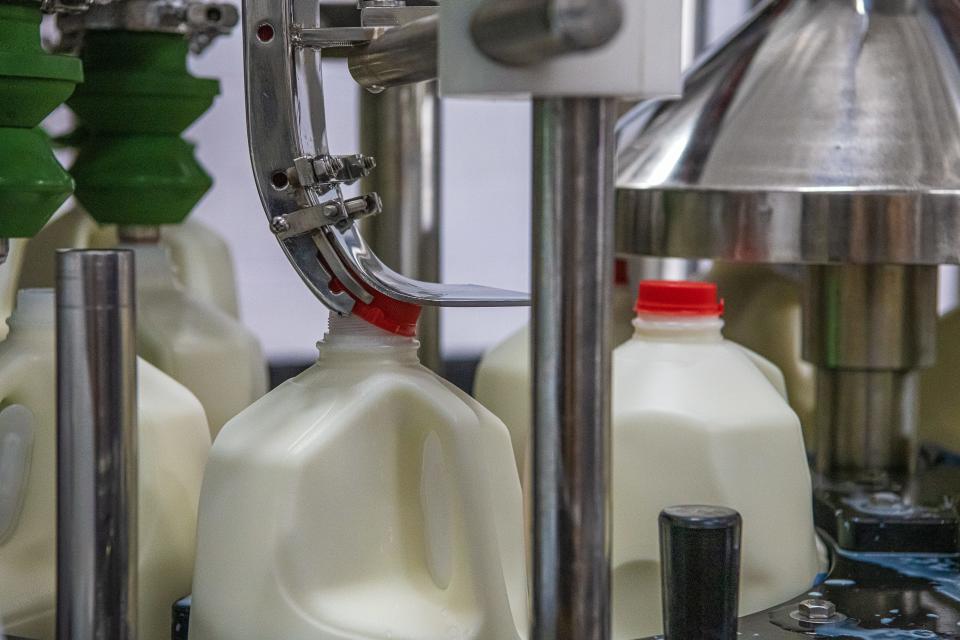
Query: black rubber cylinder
column 700, row 570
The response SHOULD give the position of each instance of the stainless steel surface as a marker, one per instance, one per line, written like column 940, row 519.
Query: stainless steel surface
column 525, row 32
column 822, row 131
column 286, row 121
column 96, row 446
column 200, row 22
column 870, row 317
column 572, row 272
column 869, row 330
column 867, row 420
column 401, row 127
column 401, row 55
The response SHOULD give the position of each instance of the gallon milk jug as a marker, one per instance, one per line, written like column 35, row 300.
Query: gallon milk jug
column 939, row 399
column 503, row 377
column 368, row 499
column 173, row 442
column 764, row 315
column 202, row 258
column 696, row 421
column 200, row 346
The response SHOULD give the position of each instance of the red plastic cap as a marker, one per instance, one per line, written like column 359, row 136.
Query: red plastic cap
column 679, row 298
column 385, row 312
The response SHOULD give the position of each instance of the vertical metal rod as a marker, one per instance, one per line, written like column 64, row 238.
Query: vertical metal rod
column 572, row 272
column 96, row 446
column 401, row 129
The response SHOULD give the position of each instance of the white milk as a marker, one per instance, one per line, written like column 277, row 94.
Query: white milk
column 200, row 346
column 503, row 377
column 173, row 442
column 366, row 498
column 696, row 421
column 939, row 399
column 764, row 314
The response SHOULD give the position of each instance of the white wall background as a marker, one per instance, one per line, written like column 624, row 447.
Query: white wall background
column 486, row 204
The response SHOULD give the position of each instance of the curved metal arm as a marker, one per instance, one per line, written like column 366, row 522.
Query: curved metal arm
column 294, row 172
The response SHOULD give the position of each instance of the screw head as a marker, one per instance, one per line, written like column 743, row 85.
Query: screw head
column 815, row 609
column 279, row 225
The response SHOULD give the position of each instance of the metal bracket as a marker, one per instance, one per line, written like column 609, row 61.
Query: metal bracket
column 293, row 168
column 324, row 173
column 200, row 22
column 340, row 214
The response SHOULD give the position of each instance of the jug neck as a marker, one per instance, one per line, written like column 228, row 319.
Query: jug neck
column 658, row 327
column 35, row 311
column 154, row 267
column 350, row 338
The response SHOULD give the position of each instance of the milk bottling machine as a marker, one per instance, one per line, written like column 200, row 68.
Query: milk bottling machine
column 821, row 133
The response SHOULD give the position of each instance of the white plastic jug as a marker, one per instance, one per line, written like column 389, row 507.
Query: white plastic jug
column 173, row 442
column 764, row 314
column 200, row 346
column 201, row 256
column 502, row 383
column 365, row 499
column 939, row 400
column 697, row 421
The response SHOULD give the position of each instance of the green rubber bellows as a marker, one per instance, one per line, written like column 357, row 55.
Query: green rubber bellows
column 32, row 84
column 133, row 168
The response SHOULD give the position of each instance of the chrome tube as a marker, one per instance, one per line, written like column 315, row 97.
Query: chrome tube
column 869, row 329
column 525, row 32
column 572, row 272
column 402, row 55
column 401, row 129
column 96, row 446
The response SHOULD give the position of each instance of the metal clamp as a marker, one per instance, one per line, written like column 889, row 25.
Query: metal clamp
column 324, row 173
column 335, row 213
column 200, row 22
column 294, row 169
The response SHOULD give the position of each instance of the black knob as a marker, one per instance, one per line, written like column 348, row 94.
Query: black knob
column 700, row 572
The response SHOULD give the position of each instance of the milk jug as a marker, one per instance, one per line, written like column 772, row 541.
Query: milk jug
column 366, row 498
column 201, row 257
column 696, row 421
column 173, row 442
column 939, row 401
column 764, row 315
column 200, row 346
column 503, row 377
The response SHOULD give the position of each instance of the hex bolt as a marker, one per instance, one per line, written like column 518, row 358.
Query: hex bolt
column 816, row 610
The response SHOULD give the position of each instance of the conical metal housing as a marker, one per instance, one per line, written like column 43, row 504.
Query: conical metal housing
column 822, row 131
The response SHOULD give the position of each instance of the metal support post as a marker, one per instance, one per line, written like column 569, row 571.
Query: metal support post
column 869, row 329
column 401, row 129
column 572, row 274
column 96, row 446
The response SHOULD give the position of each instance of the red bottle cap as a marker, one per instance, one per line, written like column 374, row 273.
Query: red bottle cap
column 385, row 312
column 679, row 298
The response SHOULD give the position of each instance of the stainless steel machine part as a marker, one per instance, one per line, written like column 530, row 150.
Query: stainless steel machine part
column 286, row 124
column 869, row 329
column 403, row 55
column 572, row 271
column 778, row 155
column 401, row 127
column 96, row 446
column 525, row 32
